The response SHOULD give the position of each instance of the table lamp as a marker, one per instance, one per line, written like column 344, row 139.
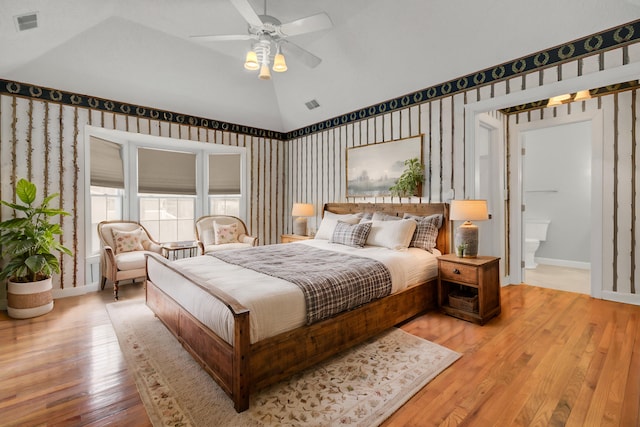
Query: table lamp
column 466, row 236
column 301, row 211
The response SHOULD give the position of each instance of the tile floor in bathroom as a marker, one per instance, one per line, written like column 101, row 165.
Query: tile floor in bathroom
column 560, row 278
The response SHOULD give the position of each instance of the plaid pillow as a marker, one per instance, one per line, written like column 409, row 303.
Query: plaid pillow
column 435, row 219
column 354, row 235
column 426, row 232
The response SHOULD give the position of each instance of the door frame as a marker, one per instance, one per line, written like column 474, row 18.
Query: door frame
column 518, row 239
column 571, row 85
column 497, row 207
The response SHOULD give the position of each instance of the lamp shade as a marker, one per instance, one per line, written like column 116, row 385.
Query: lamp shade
column 302, row 209
column 468, row 210
column 279, row 64
column 264, row 72
column 251, row 61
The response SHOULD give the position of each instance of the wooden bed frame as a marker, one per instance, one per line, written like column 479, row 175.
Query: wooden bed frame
column 244, row 367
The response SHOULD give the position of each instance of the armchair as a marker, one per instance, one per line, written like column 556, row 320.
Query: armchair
column 122, row 256
column 217, row 233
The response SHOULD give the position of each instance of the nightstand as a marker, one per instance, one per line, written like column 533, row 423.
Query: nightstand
column 288, row 238
column 469, row 288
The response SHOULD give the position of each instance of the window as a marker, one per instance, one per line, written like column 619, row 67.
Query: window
column 224, row 184
column 162, row 183
column 168, row 219
column 107, row 186
column 106, row 205
column 167, row 193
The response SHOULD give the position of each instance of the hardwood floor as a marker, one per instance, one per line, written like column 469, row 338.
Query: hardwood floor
column 66, row 368
column 551, row 358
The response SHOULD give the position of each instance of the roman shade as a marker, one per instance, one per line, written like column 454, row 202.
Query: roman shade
column 224, row 174
column 166, row 172
column 106, row 163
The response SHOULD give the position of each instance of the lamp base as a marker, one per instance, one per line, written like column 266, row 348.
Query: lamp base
column 300, row 226
column 466, row 238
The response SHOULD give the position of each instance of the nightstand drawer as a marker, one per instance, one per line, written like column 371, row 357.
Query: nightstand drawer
column 458, row 272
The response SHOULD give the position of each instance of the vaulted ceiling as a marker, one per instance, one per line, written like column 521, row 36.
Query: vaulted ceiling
column 140, row 51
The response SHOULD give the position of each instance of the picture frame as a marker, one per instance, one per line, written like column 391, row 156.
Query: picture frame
column 372, row 169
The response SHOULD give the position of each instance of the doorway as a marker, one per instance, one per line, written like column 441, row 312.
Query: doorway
column 556, row 194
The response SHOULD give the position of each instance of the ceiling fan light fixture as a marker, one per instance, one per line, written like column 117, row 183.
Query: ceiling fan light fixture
column 264, row 72
column 251, row 61
column 279, row 64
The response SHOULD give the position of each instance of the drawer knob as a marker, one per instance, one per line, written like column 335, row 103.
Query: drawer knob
column 456, row 271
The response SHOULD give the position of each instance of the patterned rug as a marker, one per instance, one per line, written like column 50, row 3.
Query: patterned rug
column 362, row 386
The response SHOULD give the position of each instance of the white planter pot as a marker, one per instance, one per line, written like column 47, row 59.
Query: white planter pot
column 26, row 300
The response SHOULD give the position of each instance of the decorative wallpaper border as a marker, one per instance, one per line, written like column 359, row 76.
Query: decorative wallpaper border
column 599, row 42
column 84, row 101
column 595, row 43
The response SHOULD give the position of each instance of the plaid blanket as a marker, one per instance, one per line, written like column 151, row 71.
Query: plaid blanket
column 332, row 282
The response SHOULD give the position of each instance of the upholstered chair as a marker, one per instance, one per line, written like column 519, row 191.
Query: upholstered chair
column 122, row 255
column 222, row 232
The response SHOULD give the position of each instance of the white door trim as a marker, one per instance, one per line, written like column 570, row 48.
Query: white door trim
column 517, row 199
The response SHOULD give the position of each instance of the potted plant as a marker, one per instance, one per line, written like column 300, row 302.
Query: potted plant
column 460, row 249
column 410, row 182
column 29, row 247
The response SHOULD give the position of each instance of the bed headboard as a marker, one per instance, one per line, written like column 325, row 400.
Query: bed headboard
column 443, row 242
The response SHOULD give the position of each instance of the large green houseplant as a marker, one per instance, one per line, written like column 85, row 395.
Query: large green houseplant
column 410, row 181
column 29, row 247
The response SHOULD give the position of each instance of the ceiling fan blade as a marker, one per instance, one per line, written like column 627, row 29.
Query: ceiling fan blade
column 320, row 21
column 224, row 38
column 303, row 55
column 247, row 12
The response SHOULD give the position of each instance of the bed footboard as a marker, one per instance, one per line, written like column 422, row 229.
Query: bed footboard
column 227, row 364
column 242, row 369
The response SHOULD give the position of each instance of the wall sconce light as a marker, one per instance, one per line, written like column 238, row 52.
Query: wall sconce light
column 581, row 95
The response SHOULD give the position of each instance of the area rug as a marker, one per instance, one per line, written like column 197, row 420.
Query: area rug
column 362, row 386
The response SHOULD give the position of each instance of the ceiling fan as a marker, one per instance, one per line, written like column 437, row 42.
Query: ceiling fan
column 270, row 38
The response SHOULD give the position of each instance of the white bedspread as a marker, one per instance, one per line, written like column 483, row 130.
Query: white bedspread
column 275, row 305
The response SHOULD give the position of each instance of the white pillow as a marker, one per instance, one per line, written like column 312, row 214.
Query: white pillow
column 392, row 234
column 329, row 222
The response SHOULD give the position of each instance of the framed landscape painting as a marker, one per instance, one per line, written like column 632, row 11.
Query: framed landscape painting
column 373, row 169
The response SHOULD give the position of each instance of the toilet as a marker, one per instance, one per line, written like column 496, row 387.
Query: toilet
column 535, row 231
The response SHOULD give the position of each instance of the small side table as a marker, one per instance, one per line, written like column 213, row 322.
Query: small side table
column 178, row 250
column 288, row 238
column 469, row 288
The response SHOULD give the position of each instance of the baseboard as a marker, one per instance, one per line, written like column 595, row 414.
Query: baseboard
column 621, row 297
column 72, row 292
column 564, row 263
column 64, row 293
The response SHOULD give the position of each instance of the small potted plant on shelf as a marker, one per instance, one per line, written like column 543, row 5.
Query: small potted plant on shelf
column 460, row 249
column 29, row 247
column 410, row 182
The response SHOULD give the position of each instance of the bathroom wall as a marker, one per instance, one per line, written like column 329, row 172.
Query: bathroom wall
column 557, row 188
